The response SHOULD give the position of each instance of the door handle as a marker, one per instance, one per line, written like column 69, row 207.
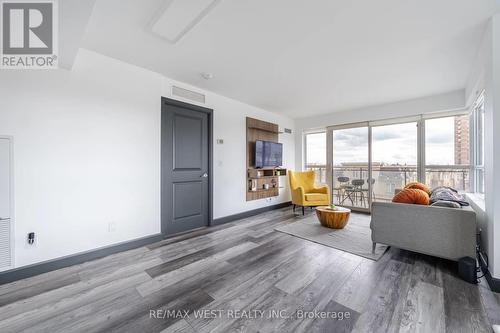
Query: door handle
column 205, row 175
column 4, row 218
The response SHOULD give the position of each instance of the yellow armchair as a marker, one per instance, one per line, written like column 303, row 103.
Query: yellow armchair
column 304, row 191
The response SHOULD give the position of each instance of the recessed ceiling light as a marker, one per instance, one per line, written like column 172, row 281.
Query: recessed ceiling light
column 207, row 76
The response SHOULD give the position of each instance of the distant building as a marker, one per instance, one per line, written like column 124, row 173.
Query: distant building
column 461, row 134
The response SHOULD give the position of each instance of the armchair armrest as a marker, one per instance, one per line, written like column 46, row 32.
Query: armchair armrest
column 298, row 195
column 298, row 190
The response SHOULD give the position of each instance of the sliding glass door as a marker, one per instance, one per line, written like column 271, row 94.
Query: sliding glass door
column 358, row 180
column 350, row 172
column 368, row 162
column 394, row 158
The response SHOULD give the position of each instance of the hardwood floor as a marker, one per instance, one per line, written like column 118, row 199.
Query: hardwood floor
column 246, row 265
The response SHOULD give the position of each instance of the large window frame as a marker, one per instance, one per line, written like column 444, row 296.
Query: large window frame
column 306, row 164
column 421, row 163
column 406, row 169
column 477, row 145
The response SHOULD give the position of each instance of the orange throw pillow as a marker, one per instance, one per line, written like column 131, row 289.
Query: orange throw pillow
column 412, row 196
column 419, row 186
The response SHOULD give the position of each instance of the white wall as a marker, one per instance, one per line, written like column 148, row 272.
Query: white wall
column 87, row 152
column 486, row 75
column 444, row 102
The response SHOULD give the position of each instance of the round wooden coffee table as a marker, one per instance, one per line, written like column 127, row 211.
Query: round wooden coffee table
column 335, row 219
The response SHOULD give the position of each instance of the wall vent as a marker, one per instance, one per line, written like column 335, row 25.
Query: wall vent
column 188, row 94
column 284, row 130
column 5, row 245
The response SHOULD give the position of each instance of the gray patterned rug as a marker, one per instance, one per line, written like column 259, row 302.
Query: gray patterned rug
column 355, row 238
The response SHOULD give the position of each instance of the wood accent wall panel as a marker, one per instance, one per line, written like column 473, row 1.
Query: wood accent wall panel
column 265, row 131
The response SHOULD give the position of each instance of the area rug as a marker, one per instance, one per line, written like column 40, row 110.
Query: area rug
column 355, row 238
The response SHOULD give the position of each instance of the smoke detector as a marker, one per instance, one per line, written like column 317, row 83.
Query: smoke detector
column 207, row 76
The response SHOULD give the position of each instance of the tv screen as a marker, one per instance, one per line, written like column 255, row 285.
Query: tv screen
column 268, row 154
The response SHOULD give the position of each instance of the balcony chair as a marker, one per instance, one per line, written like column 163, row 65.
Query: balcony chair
column 343, row 185
column 356, row 192
column 304, row 191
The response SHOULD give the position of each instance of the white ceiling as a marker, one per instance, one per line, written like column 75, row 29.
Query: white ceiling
column 73, row 18
column 301, row 57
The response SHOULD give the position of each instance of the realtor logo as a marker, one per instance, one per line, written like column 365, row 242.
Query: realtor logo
column 29, row 34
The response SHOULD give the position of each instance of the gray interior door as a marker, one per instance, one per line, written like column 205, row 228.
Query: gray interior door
column 185, row 167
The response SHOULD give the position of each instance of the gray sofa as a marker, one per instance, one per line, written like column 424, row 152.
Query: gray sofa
column 448, row 233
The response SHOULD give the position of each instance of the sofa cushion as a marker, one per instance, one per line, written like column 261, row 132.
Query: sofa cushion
column 443, row 193
column 419, row 186
column 316, row 197
column 444, row 203
column 412, row 196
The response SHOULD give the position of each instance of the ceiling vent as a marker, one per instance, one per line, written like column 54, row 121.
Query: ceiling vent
column 188, row 94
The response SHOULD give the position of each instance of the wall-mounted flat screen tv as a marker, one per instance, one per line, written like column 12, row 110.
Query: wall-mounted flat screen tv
column 268, row 154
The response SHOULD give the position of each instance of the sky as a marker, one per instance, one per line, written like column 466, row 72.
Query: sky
column 392, row 144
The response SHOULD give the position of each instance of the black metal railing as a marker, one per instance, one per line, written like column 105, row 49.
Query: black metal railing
column 388, row 178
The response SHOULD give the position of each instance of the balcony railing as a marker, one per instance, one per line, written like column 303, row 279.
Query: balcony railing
column 388, row 178
column 320, row 172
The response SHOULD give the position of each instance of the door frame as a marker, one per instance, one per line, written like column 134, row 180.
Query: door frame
column 330, row 159
column 12, row 205
column 209, row 112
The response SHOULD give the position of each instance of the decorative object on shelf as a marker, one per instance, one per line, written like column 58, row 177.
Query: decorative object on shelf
column 274, row 183
column 253, row 185
column 265, row 186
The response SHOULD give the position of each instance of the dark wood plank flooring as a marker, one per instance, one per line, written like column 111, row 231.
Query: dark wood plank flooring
column 247, row 266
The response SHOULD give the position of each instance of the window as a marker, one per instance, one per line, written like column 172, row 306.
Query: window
column 394, row 158
column 447, row 152
column 315, row 152
column 369, row 161
column 478, row 144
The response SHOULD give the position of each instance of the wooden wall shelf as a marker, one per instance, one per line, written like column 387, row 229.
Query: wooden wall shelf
column 257, row 178
column 265, row 173
column 260, row 125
